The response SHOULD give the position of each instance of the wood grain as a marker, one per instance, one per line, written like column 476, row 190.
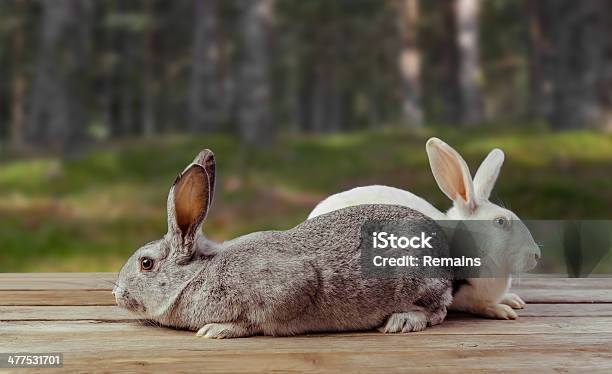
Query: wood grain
column 56, row 297
column 57, row 281
column 66, row 293
column 459, row 325
column 555, row 359
column 449, row 361
column 103, row 281
column 64, row 313
column 113, row 313
column 554, row 296
column 129, row 347
column 563, row 283
column 566, row 327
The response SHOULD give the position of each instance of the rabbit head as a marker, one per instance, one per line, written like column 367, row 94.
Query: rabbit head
column 507, row 236
column 150, row 281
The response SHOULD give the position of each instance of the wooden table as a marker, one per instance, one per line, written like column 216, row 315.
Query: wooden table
column 567, row 326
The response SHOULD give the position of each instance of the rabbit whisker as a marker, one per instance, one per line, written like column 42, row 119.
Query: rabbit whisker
column 147, row 321
column 111, row 282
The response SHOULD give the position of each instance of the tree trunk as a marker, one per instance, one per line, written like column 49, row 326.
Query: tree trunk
column 148, row 84
column 581, row 67
column 19, row 80
column 305, row 95
column 56, row 118
column 539, row 55
column 320, row 94
column 449, row 82
column 409, row 64
column 207, row 95
column 467, row 13
column 253, row 76
column 127, row 118
column 108, row 91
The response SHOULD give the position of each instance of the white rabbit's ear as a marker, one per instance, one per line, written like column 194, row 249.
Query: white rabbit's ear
column 451, row 173
column 487, row 174
column 188, row 204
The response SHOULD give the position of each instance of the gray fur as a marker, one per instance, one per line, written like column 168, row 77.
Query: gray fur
column 305, row 279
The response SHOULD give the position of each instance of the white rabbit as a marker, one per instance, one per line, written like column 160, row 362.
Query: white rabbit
column 488, row 297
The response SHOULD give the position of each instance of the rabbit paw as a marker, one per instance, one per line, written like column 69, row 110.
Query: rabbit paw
column 513, row 300
column 405, row 322
column 499, row 311
column 223, row 331
column 436, row 317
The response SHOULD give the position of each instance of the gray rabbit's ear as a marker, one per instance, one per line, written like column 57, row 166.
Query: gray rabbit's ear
column 206, row 158
column 188, row 204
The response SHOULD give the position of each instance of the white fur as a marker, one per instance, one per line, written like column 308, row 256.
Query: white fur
column 223, row 331
column 405, row 322
column 375, row 195
column 487, row 297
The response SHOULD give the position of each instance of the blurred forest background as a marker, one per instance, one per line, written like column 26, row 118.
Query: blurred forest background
column 103, row 102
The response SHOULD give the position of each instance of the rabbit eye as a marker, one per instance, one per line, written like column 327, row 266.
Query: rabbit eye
column 500, row 222
column 146, row 263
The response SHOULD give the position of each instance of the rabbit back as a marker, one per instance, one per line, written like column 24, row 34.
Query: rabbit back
column 309, row 279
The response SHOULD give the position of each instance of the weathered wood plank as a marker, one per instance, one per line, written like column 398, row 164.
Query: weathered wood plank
column 64, row 313
column 87, row 335
column 591, row 359
column 463, row 325
column 563, row 283
column 129, row 347
column 113, row 313
column 570, row 329
column 104, row 297
column 57, row 281
column 56, row 297
column 566, row 310
column 555, row 296
column 103, row 281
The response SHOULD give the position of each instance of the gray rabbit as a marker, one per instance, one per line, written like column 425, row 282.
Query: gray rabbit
column 305, row 279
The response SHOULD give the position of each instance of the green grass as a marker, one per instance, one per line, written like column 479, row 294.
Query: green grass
column 89, row 213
